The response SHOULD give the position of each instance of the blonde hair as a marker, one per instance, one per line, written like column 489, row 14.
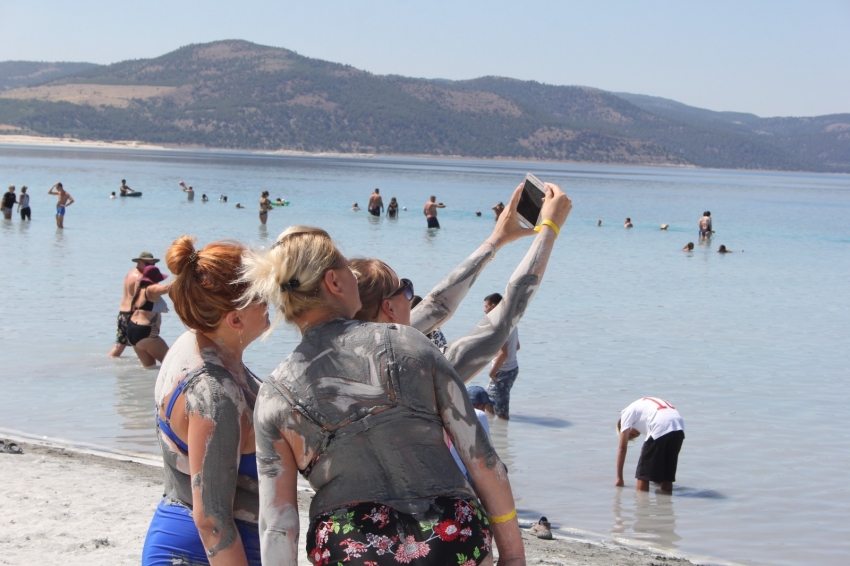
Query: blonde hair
column 375, row 280
column 205, row 287
column 288, row 275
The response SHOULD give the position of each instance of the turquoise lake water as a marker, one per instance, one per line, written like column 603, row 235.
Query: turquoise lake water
column 751, row 347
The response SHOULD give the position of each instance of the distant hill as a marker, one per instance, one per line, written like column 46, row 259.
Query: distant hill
column 820, row 139
column 235, row 94
column 14, row 74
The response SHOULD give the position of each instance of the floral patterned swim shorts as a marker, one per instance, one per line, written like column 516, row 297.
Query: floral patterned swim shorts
column 453, row 532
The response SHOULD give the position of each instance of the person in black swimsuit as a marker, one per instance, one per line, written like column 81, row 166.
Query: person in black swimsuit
column 143, row 328
column 392, row 208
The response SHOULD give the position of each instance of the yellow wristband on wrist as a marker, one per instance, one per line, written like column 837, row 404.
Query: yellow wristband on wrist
column 503, row 518
column 551, row 225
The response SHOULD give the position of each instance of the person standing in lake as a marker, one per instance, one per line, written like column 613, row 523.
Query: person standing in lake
column 627, row 223
column 190, row 192
column 705, row 225
column 65, row 200
column 392, row 208
column 498, row 209
column 505, row 369
column 430, row 212
column 376, row 203
column 24, row 205
column 265, row 207
column 9, row 201
column 124, row 310
column 664, row 429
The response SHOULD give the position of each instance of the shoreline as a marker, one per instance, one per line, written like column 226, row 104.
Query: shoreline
column 53, row 142
column 83, row 506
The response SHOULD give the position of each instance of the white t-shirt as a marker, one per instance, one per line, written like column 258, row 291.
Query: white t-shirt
column 482, row 418
column 512, row 342
column 652, row 417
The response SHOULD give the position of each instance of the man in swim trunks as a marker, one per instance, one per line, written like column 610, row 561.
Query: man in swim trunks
column 9, row 201
column 705, row 225
column 125, row 190
column 65, row 200
column 430, row 211
column 125, row 310
column 664, row 429
column 376, row 203
column 505, row 369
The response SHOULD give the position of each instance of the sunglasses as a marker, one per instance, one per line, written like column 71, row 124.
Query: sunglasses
column 406, row 287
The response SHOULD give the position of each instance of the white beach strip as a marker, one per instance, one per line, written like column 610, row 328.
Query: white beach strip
column 19, row 139
column 67, row 506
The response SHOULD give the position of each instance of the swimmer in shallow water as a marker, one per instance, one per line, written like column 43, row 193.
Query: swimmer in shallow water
column 723, row 250
column 361, row 410
column 190, row 192
column 205, row 404
column 689, row 247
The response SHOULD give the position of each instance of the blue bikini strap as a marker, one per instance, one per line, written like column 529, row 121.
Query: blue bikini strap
column 165, row 425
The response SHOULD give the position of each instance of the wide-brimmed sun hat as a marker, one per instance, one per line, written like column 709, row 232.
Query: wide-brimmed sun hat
column 152, row 274
column 146, row 256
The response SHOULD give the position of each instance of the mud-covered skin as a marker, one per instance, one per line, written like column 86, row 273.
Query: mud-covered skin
column 279, row 521
column 469, row 354
column 442, row 301
column 382, row 395
column 212, row 393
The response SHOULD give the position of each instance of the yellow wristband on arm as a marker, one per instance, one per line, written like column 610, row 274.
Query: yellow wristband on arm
column 551, row 225
column 503, row 518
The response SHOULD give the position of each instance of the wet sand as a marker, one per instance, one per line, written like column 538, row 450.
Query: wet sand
column 66, row 506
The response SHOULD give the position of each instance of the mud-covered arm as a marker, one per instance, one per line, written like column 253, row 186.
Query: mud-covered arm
column 488, row 474
column 442, row 301
column 214, row 440
column 469, row 354
column 279, row 523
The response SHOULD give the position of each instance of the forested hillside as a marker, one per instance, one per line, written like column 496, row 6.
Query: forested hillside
column 235, row 94
column 14, row 74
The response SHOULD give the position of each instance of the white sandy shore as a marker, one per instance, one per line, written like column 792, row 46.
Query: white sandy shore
column 66, row 506
column 20, row 139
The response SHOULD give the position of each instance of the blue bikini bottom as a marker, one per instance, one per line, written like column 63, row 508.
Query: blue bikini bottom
column 173, row 539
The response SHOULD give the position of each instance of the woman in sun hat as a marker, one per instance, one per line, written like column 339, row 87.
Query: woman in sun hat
column 143, row 328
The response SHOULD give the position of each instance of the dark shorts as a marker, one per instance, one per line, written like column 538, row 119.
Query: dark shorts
column 376, row 211
column 453, row 532
column 26, row 213
column 432, row 222
column 60, row 211
column 500, row 390
column 659, row 457
column 121, row 332
column 704, row 233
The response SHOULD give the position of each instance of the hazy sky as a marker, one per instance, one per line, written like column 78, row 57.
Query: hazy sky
column 771, row 58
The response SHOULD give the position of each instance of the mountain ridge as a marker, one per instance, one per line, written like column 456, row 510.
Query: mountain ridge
column 234, row 94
